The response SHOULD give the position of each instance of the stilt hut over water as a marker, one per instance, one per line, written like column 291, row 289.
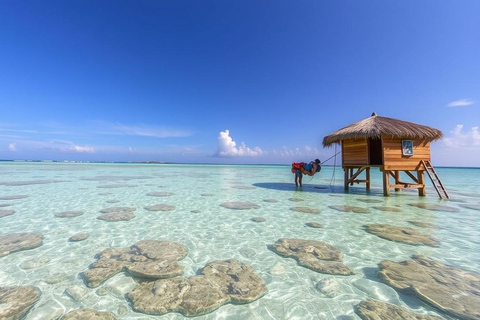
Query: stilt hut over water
column 393, row 146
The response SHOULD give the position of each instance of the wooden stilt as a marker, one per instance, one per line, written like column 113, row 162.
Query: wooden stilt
column 386, row 183
column 367, row 173
column 351, row 175
column 397, row 180
column 346, row 178
column 421, row 181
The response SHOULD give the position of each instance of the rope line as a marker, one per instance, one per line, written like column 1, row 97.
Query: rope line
column 332, row 181
column 336, row 153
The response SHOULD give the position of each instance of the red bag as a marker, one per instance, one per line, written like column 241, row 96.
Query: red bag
column 297, row 166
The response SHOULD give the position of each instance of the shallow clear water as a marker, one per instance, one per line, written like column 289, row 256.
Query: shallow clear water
column 212, row 232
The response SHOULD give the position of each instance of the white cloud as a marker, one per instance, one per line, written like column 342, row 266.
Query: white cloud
column 289, row 152
column 460, row 103
column 228, row 148
column 81, row 149
column 307, row 151
column 12, row 146
column 461, row 139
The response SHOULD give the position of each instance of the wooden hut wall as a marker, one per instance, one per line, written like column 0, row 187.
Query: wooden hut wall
column 355, row 152
column 395, row 160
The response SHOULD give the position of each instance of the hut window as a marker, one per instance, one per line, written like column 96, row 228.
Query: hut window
column 407, row 148
column 375, row 151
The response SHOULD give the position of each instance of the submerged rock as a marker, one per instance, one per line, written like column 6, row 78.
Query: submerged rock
column 30, row 182
column 374, row 310
column 450, row 289
column 112, row 217
column 153, row 259
column 14, row 242
column 270, row 200
column 160, row 194
column 88, row 314
column 305, row 210
column 313, row 225
column 16, row 301
column 371, row 200
column 258, row 219
column 220, row 282
column 312, row 254
column 240, row 205
column 435, row 207
column 79, row 237
column 160, row 207
column 118, row 210
column 4, row 213
column 388, row 209
column 401, row 234
column 114, row 214
column 68, row 214
column 14, row 197
column 115, row 186
column 350, row 209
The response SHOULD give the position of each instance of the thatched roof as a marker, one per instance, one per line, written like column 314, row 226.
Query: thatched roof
column 376, row 126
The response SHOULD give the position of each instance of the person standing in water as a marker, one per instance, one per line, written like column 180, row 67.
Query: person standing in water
column 301, row 168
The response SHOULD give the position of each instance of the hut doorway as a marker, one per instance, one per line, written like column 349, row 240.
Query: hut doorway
column 375, row 151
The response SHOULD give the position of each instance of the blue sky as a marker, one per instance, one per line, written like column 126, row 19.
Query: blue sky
column 232, row 81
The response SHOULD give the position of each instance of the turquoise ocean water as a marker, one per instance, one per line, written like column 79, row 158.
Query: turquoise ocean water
column 212, row 232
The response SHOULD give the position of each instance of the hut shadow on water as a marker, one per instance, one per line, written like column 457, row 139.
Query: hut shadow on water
column 284, row 186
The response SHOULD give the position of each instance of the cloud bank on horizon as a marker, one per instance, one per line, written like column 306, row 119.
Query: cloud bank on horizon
column 461, row 139
column 24, row 143
column 227, row 148
column 82, row 149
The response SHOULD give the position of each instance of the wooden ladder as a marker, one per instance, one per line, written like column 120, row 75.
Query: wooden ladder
column 437, row 183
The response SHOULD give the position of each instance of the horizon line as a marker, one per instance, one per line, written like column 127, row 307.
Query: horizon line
column 183, row 163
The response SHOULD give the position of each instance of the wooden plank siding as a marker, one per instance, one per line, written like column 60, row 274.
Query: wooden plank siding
column 354, row 152
column 393, row 159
